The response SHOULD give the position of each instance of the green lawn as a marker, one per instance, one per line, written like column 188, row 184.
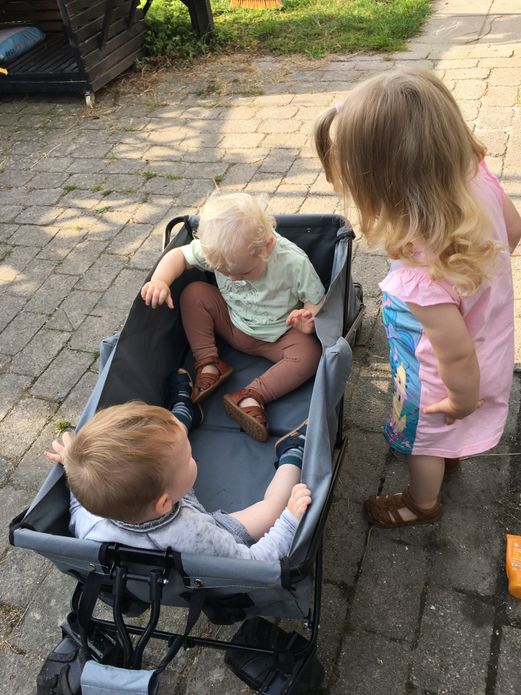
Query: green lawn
column 311, row 27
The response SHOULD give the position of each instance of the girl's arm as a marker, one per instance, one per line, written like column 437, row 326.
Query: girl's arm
column 157, row 290
column 512, row 222
column 458, row 364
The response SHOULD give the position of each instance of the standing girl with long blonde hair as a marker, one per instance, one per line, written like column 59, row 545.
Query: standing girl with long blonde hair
column 400, row 149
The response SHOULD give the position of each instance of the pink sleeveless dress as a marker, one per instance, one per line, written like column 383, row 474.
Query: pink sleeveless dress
column 489, row 317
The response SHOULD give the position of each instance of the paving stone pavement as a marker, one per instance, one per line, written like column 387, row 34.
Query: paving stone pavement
column 85, row 198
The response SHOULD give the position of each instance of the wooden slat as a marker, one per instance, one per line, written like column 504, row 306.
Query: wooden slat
column 93, row 29
column 117, row 34
column 53, row 56
column 31, row 4
column 95, row 10
column 45, row 14
column 100, row 64
column 110, row 71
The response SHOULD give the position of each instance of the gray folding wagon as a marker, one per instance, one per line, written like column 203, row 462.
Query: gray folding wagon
column 136, row 365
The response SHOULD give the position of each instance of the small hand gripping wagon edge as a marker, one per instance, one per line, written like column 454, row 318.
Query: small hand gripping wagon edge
column 108, row 653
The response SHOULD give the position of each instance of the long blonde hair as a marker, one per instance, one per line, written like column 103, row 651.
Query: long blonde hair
column 401, row 149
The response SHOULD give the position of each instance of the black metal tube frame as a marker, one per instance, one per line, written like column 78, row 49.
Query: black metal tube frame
column 134, row 656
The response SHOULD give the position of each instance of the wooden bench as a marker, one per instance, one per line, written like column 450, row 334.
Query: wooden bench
column 88, row 42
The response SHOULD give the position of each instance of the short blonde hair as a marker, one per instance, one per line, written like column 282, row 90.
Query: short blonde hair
column 120, row 462
column 232, row 224
column 403, row 152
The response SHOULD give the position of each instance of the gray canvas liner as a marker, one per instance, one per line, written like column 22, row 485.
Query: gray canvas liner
column 233, row 469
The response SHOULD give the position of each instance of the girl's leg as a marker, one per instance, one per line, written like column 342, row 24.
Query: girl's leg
column 426, row 474
column 419, row 503
column 296, row 356
column 260, row 517
column 204, row 314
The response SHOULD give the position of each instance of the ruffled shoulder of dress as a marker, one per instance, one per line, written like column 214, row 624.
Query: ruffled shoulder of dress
column 415, row 285
column 485, row 174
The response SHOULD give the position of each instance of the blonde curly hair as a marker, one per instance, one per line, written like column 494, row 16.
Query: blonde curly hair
column 232, row 225
column 400, row 148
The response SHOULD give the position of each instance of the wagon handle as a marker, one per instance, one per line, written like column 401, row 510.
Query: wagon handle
column 169, row 227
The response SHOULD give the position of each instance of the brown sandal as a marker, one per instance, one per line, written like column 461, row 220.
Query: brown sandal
column 251, row 418
column 206, row 383
column 383, row 511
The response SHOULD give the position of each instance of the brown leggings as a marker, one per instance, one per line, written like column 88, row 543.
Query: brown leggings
column 295, row 354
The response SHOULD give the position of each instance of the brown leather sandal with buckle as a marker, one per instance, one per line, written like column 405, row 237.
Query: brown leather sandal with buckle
column 383, row 511
column 251, row 418
column 207, row 382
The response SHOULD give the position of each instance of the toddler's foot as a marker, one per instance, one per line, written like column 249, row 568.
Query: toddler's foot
column 185, row 410
column 290, row 447
column 210, row 373
column 391, row 511
column 251, row 418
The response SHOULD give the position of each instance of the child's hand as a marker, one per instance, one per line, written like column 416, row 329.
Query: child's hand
column 156, row 292
column 59, row 448
column 302, row 319
column 451, row 411
column 299, row 500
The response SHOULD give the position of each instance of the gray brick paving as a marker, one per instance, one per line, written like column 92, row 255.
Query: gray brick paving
column 454, row 645
column 86, row 195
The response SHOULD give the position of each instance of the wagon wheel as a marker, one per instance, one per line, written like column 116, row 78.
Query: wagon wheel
column 90, row 99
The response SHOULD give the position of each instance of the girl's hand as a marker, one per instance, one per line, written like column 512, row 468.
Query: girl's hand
column 156, row 292
column 59, row 448
column 302, row 319
column 451, row 411
column 299, row 500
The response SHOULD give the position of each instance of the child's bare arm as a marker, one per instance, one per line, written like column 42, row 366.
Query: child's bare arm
column 59, row 448
column 457, row 360
column 304, row 319
column 157, row 290
column 512, row 222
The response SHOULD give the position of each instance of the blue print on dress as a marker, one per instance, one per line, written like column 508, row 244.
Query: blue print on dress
column 403, row 333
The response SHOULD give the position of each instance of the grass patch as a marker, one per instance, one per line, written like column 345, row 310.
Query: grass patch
column 69, row 187
column 61, row 425
column 311, row 27
column 102, row 209
column 148, row 175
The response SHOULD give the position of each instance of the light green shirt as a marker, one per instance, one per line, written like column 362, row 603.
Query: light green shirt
column 260, row 307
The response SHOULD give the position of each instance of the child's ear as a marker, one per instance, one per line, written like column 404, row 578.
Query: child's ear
column 163, row 504
column 270, row 244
